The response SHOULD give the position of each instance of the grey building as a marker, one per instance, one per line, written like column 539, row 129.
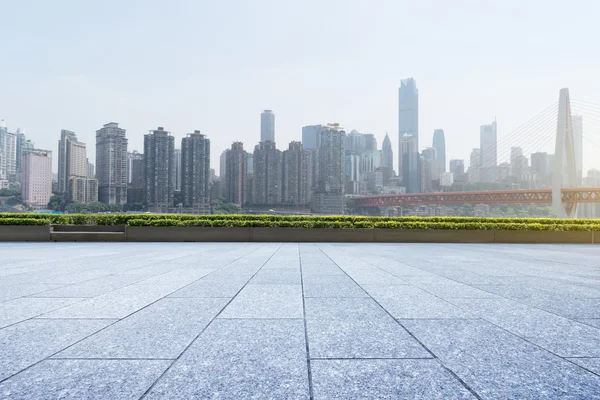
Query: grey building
column 136, row 189
column 111, row 164
column 329, row 194
column 267, row 174
column 408, row 126
column 387, row 154
column 439, row 144
column 178, row 169
column 267, row 126
column 488, row 143
column 159, row 166
column 311, row 136
column 195, row 172
column 297, row 175
column 223, row 174
column 236, row 167
column 72, row 160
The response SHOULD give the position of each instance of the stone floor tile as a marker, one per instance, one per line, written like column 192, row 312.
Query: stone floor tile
column 84, row 379
column 591, row 364
column 23, row 308
column 266, row 301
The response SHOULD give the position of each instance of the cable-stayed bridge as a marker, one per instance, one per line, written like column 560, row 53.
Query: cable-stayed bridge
column 563, row 191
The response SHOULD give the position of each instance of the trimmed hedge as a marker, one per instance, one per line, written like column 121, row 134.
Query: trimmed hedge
column 293, row 221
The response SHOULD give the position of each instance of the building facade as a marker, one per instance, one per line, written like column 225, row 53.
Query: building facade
column 83, row 190
column 387, row 154
column 488, row 139
column 111, row 164
column 159, row 166
column 409, row 163
column 8, row 155
column 267, row 169
column 267, row 126
column 36, row 184
column 178, row 169
column 72, row 160
column 439, row 144
column 408, row 134
column 329, row 194
column 236, row 171
column 297, row 176
column 195, row 173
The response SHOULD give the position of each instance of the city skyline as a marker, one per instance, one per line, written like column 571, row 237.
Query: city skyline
column 243, row 65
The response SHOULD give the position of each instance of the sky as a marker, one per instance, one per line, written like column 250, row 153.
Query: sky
column 215, row 65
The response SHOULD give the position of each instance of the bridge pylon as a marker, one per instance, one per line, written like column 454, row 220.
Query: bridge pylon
column 564, row 173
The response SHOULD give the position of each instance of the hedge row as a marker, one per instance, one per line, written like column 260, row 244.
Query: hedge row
column 124, row 219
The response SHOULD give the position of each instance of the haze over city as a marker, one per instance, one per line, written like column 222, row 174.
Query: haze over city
column 215, row 67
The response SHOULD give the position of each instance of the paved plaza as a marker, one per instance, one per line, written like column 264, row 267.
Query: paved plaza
column 299, row 321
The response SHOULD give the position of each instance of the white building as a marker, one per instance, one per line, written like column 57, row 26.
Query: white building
column 8, row 154
column 488, row 145
column 267, row 126
column 36, row 187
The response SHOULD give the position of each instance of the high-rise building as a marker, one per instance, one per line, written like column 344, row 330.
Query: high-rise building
column 439, row 144
column 267, row 174
column 8, row 154
column 409, row 162
column 387, row 154
column 457, row 167
column 178, row 169
column 22, row 145
column 267, row 126
column 328, row 197
column 91, row 170
column 311, row 136
column 195, row 172
column 36, row 184
column 111, row 164
column 236, row 161
column 83, row 190
column 223, row 174
column 72, row 161
column 474, row 165
column 488, row 139
column 159, row 166
column 297, row 175
column 577, row 126
column 408, row 127
column 136, row 189
column 138, row 158
column 540, row 164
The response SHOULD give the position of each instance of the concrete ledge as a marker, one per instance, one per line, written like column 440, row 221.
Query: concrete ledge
column 65, row 233
column 544, row 237
column 187, row 234
column 24, row 233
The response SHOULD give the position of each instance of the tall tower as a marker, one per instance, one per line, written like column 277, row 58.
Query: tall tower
column 72, row 160
column 159, row 167
column 439, row 144
column 267, row 174
column 297, row 175
column 195, row 172
column 111, row 164
column 564, row 169
column 267, row 126
column 387, row 154
column 488, row 144
column 236, row 168
column 408, row 126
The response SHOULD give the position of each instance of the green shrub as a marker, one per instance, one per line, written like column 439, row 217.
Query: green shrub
column 24, row 221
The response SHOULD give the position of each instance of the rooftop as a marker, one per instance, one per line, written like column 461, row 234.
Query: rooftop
column 299, row 321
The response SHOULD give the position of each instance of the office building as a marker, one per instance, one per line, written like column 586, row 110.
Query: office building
column 159, row 170
column 328, row 197
column 36, row 175
column 474, row 166
column 409, row 163
column 387, row 154
column 91, row 170
column 267, row 169
column 488, row 140
column 8, row 155
column 408, row 127
column 311, row 136
column 236, row 175
column 111, row 164
column 22, row 145
column 439, row 144
column 223, row 174
column 267, row 126
column 457, row 167
column 195, row 172
column 297, row 176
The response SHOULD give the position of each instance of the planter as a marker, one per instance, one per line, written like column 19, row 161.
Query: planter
column 544, row 237
column 24, row 233
column 312, row 235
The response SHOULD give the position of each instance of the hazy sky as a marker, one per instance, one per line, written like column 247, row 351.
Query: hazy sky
column 215, row 65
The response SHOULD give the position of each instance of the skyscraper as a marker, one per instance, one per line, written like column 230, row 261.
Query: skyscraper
column 408, row 126
column 387, row 154
column 223, row 174
column 36, row 185
column 408, row 164
column 457, row 167
column 195, row 172
column 159, row 166
column 328, row 197
column 236, row 174
column 22, row 145
column 310, row 136
column 111, row 164
column 72, row 160
column 577, row 126
column 267, row 174
column 267, row 126
column 439, row 144
column 178, row 169
column 297, row 175
column 474, row 165
column 8, row 154
column 488, row 139
column 136, row 189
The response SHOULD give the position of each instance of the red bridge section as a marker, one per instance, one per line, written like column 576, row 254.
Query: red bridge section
column 533, row 196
